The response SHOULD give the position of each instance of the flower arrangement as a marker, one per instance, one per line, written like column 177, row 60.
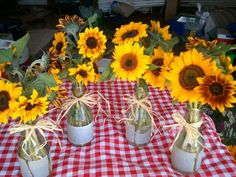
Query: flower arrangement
column 25, row 95
column 142, row 54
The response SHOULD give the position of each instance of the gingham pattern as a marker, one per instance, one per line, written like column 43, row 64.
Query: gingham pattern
column 109, row 154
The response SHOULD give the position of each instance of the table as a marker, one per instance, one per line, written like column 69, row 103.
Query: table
column 109, row 154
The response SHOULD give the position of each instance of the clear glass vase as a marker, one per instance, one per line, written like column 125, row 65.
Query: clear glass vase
column 187, row 154
column 34, row 158
column 139, row 127
column 80, row 123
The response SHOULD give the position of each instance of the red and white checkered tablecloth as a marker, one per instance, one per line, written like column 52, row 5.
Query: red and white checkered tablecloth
column 109, row 154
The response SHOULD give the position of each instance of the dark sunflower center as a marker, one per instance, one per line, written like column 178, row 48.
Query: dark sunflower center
column 129, row 62
column 4, row 100
column 129, row 34
column 91, row 42
column 29, row 107
column 188, row 76
column 216, row 89
column 59, row 47
column 157, row 62
column 83, row 73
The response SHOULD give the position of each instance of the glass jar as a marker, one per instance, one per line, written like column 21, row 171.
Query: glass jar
column 139, row 125
column 34, row 158
column 79, row 121
column 187, row 154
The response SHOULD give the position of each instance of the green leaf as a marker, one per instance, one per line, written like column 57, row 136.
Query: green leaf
column 168, row 45
column 92, row 19
column 153, row 67
column 20, row 45
column 63, row 74
column 106, row 73
column 47, row 79
column 6, row 56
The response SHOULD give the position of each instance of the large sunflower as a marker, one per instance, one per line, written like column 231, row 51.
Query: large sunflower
column 129, row 61
column 59, row 44
column 185, row 70
column 218, row 91
column 83, row 73
column 29, row 109
column 91, row 43
column 157, row 77
column 9, row 92
column 131, row 32
column 156, row 27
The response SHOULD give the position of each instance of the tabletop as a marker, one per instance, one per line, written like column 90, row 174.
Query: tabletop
column 109, row 153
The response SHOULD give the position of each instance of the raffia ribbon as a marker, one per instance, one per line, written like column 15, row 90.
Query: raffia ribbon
column 90, row 99
column 192, row 132
column 134, row 104
column 41, row 125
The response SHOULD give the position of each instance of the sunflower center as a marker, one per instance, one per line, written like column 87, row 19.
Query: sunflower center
column 216, row 89
column 91, row 42
column 4, row 100
column 129, row 62
column 157, row 62
column 188, row 76
column 59, row 47
column 129, row 34
column 83, row 73
column 29, row 106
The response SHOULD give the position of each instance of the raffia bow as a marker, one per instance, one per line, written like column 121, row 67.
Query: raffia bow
column 134, row 104
column 192, row 132
column 90, row 99
column 41, row 125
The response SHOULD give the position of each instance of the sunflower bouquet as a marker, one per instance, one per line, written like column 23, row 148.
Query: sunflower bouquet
column 198, row 76
column 75, row 51
column 25, row 95
column 142, row 55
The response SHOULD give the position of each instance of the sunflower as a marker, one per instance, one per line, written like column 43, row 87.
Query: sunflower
column 56, row 94
column 55, row 62
column 70, row 24
column 29, row 109
column 91, row 43
column 197, row 42
column 55, row 73
column 217, row 91
column 83, row 73
column 185, row 70
column 157, row 77
column 2, row 68
column 232, row 151
column 129, row 61
column 59, row 45
column 9, row 92
column 156, row 27
column 225, row 62
column 131, row 32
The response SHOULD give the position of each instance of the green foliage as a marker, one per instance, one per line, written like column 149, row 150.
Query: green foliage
column 106, row 74
column 20, row 45
column 6, row 56
column 47, row 79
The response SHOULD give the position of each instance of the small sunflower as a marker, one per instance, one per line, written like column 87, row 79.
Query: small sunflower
column 131, row 32
column 2, row 68
column 9, row 92
column 218, row 91
column 91, row 43
column 157, row 77
column 29, row 109
column 197, row 42
column 185, row 70
column 129, row 63
column 156, row 27
column 59, row 44
column 232, row 151
column 70, row 24
column 225, row 62
column 56, row 94
column 83, row 73
column 55, row 73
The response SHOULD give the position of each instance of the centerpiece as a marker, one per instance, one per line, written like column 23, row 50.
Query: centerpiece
column 25, row 95
column 201, row 75
column 141, row 55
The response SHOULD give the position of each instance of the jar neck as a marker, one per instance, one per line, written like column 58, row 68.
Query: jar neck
column 194, row 115
column 78, row 89
column 140, row 89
